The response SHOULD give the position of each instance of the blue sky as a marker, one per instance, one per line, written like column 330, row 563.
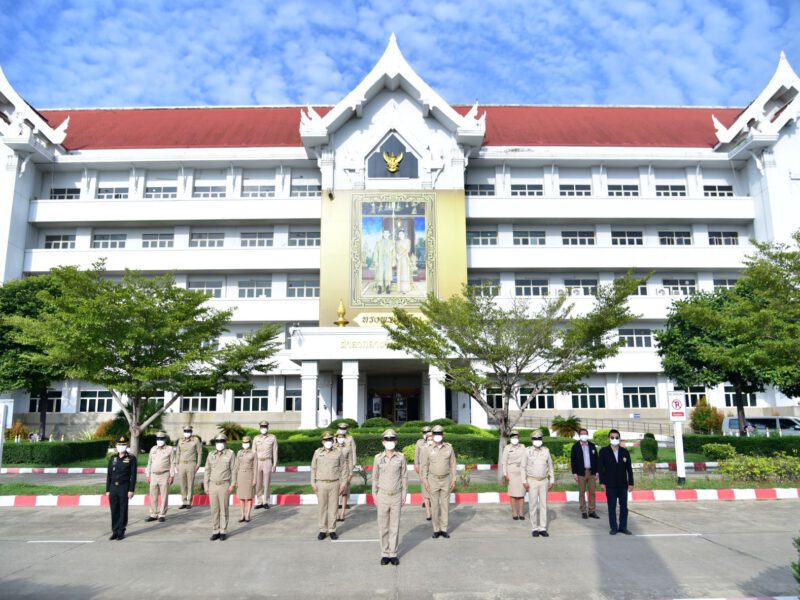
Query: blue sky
column 85, row 53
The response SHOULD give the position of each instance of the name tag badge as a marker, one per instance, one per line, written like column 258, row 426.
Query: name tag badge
column 127, row 460
column 624, row 459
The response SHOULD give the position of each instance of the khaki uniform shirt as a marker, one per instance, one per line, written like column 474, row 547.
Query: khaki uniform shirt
column 189, row 450
column 161, row 460
column 266, row 447
column 536, row 462
column 390, row 474
column 439, row 461
column 220, row 467
column 329, row 465
column 512, row 455
column 419, row 448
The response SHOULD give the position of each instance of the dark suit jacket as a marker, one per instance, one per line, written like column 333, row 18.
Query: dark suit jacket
column 576, row 459
column 613, row 473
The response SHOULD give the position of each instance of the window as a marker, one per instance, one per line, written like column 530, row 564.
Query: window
column 529, row 238
column 680, row 287
column 53, row 402
column 524, row 286
column 59, row 242
column 160, row 192
column 112, row 193
column 589, row 397
column 304, row 238
column 158, row 240
column 481, row 237
column 675, row 238
column 639, row 396
column 479, row 189
column 208, row 191
column 718, row 191
column 577, row 238
column 692, row 394
column 623, row 190
column 724, row 284
column 206, row 240
column 306, row 190
column 255, row 288
column 96, row 401
column 494, row 398
column 581, row 287
column 627, row 238
column 303, row 287
column 575, row 189
column 65, row 194
column 545, row 400
column 723, row 238
column 527, row 189
column 258, row 191
column 730, row 397
column 254, row 400
column 641, row 290
column 636, row 338
column 199, row 403
column 485, row 286
column 256, row 239
column 670, row 190
column 109, row 240
column 212, row 288
column 293, row 400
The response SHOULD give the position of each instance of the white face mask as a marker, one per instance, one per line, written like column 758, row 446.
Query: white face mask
column 161, row 442
column 537, row 443
column 264, row 430
column 187, row 434
column 389, row 445
column 438, row 439
column 220, row 446
column 328, row 444
column 246, row 445
column 122, row 449
column 584, row 438
column 614, row 442
column 341, row 440
column 514, row 441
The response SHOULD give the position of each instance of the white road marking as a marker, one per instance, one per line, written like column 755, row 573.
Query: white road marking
column 668, row 535
column 60, row 542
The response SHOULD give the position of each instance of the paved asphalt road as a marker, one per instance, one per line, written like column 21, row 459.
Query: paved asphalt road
column 687, row 550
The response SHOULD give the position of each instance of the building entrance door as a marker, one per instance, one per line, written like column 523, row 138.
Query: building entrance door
column 396, row 398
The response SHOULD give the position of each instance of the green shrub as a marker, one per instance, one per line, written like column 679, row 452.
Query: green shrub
column 53, row 453
column 231, row 430
column 796, row 565
column 752, row 446
column 719, row 451
column 649, row 449
column 566, row 426
column 381, row 422
column 409, row 451
column 416, row 425
column 706, row 418
column 545, row 431
column 600, row 437
column 443, row 422
column 780, row 468
column 352, row 423
column 148, row 440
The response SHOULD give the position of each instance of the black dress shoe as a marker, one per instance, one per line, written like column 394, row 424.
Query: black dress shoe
column 428, row 518
column 394, row 560
column 544, row 534
column 161, row 519
column 188, row 506
column 385, row 560
column 222, row 537
column 321, row 535
column 266, row 506
column 150, row 519
column 444, row 534
column 181, row 507
column 257, row 506
column 534, row 533
column 515, row 517
column 214, row 537
column 113, row 536
column 626, row 531
column 333, row 535
column 593, row 515
column 584, row 516
column 120, row 536
column 612, row 532
column 435, row 534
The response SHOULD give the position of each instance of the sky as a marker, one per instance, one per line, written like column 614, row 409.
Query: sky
column 95, row 53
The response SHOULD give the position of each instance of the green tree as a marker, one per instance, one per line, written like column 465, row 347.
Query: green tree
column 480, row 344
column 140, row 336
column 706, row 418
column 20, row 368
column 566, row 426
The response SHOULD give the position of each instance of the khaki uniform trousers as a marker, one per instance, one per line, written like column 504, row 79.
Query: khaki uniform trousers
column 263, row 476
column 220, row 500
column 328, row 498
column 159, row 484
column 186, row 473
column 537, row 503
column 389, row 522
column 586, row 483
column 440, row 501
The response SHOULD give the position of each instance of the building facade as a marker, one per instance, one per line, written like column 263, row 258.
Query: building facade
column 283, row 213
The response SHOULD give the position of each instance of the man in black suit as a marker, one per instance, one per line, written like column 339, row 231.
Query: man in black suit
column 583, row 461
column 616, row 479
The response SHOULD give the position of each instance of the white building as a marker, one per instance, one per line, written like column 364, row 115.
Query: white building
column 278, row 212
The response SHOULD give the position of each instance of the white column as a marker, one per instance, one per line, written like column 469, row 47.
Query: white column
column 350, row 389
column 550, row 180
column 325, row 399
column 478, row 414
column 308, row 390
column 362, row 398
column 225, row 401
column 463, row 401
column 436, row 394
column 83, row 238
column 274, row 403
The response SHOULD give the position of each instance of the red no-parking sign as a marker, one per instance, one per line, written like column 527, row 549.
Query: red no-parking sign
column 677, row 407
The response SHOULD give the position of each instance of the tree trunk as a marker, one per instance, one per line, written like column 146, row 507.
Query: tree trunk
column 500, row 449
column 42, row 412
column 739, row 398
column 136, row 431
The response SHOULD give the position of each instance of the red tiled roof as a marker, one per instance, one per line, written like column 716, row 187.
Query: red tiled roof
column 279, row 126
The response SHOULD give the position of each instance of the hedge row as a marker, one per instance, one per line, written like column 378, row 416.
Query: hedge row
column 753, row 446
column 53, row 453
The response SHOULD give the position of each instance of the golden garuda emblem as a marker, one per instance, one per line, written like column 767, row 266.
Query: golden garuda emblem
column 392, row 161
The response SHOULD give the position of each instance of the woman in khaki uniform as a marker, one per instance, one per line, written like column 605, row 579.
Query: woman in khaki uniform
column 421, row 446
column 512, row 456
column 245, row 478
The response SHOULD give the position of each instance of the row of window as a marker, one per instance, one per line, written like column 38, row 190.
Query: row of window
column 626, row 237
column 254, row 239
column 297, row 286
column 585, row 189
column 169, row 192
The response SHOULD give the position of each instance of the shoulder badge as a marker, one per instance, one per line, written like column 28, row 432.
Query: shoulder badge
column 624, row 459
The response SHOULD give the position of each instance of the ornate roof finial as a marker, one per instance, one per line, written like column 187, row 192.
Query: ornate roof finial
column 340, row 312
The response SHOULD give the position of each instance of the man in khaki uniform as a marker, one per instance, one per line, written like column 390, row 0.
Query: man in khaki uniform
column 160, row 472
column 439, row 479
column 423, row 444
column 347, row 445
column 389, row 487
column 218, row 482
column 328, row 480
column 188, row 456
column 538, row 477
column 266, row 447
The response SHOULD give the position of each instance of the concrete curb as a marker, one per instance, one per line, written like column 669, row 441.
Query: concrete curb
column 457, row 498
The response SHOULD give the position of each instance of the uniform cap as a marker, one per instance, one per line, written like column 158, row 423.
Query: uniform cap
column 327, row 435
column 343, row 425
column 426, row 429
column 246, row 439
column 438, row 429
column 187, row 428
column 123, row 439
column 221, row 438
column 264, row 424
column 161, row 434
column 389, row 433
column 536, row 433
column 515, row 432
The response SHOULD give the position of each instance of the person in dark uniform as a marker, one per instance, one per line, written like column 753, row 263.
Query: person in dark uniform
column 120, row 485
column 616, row 479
